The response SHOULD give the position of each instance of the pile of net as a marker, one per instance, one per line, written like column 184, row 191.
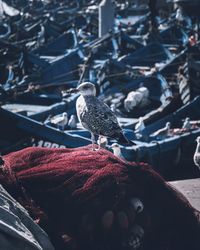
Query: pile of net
column 93, row 200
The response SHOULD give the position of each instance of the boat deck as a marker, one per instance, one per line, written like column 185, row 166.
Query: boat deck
column 191, row 189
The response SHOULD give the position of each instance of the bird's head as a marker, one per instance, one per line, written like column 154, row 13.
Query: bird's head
column 168, row 125
column 116, row 149
column 73, row 117
column 187, row 119
column 115, row 145
column 87, row 89
column 64, row 114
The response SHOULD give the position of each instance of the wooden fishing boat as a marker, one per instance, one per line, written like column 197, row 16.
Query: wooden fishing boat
column 19, row 131
column 189, row 84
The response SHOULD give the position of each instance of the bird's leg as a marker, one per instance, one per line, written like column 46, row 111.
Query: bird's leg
column 58, row 127
column 93, row 141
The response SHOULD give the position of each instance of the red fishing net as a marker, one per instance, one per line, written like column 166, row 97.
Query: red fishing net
column 88, row 199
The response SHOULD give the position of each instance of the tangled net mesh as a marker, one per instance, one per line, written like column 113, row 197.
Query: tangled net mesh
column 85, row 199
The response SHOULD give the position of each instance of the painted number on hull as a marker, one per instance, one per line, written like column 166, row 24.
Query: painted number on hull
column 47, row 144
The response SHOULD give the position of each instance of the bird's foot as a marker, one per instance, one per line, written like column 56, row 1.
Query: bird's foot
column 94, row 148
column 97, row 149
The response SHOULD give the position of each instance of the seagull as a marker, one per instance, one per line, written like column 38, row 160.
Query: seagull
column 117, row 150
column 161, row 133
column 47, row 121
column 60, row 121
column 179, row 15
column 196, row 157
column 103, row 143
column 187, row 125
column 140, row 125
column 96, row 116
column 41, row 36
column 72, row 122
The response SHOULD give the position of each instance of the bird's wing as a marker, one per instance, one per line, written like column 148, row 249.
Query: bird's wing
column 106, row 113
column 103, row 120
column 57, row 120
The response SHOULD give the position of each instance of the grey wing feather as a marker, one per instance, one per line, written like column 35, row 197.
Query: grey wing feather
column 103, row 120
column 107, row 113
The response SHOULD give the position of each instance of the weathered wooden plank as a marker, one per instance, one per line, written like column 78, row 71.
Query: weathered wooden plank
column 190, row 189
